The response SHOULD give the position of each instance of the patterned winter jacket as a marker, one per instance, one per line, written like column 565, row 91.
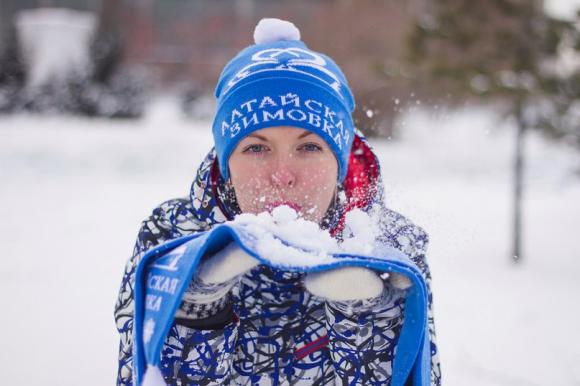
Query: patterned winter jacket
column 274, row 332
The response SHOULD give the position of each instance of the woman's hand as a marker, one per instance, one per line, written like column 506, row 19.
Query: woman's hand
column 351, row 283
column 205, row 303
column 227, row 264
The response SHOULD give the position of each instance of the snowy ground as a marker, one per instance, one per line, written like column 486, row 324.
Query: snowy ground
column 74, row 191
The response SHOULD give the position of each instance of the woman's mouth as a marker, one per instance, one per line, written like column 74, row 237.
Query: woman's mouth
column 272, row 205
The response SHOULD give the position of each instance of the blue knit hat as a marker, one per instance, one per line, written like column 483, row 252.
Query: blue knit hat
column 280, row 82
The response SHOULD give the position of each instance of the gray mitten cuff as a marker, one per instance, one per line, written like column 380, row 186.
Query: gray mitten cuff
column 202, row 300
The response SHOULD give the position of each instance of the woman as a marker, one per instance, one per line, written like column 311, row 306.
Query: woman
column 283, row 136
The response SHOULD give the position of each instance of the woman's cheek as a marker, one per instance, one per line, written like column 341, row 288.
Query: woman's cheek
column 250, row 194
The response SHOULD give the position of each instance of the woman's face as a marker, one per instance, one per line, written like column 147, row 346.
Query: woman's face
column 284, row 166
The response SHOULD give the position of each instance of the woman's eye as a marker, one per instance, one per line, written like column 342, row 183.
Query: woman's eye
column 255, row 149
column 311, row 147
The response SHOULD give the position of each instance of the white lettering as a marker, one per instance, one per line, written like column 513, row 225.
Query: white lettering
column 267, row 101
column 328, row 113
column 235, row 114
column 346, row 137
column 337, row 141
column 225, row 127
column 292, row 115
column 253, row 119
column 340, row 127
column 235, row 130
column 248, row 105
column 162, row 283
column 153, row 302
column 284, row 99
column 311, row 102
column 279, row 114
column 314, row 120
column 327, row 127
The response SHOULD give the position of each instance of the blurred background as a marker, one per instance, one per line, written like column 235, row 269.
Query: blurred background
column 473, row 108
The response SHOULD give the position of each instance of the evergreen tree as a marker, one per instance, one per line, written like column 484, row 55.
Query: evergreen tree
column 510, row 51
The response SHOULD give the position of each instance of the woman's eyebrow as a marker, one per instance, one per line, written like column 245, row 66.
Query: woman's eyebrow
column 258, row 136
column 305, row 134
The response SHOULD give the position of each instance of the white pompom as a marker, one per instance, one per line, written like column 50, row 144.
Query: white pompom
column 153, row 377
column 342, row 284
column 273, row 30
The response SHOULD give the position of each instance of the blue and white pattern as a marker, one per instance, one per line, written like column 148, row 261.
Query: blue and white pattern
column 280, row 334
column 297, row 59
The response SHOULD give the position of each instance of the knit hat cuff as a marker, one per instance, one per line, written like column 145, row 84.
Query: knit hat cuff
column 282, row 100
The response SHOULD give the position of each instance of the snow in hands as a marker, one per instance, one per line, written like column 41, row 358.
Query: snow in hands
column 292, row 240
column 304, row 243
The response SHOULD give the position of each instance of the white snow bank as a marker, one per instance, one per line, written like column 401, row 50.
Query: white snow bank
column 74, row 192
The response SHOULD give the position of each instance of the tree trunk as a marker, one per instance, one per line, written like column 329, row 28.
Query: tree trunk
column 518, row 183
column 107, row 46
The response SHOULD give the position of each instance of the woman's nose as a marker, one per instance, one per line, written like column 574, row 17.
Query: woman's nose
column 283, row 176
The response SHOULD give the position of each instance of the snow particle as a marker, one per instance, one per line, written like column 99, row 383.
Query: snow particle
column 284, row 214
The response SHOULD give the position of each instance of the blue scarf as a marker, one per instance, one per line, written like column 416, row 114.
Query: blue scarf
column 164, row 273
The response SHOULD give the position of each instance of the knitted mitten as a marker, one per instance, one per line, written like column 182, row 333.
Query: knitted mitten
column 352, row 283
column 208, row 291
